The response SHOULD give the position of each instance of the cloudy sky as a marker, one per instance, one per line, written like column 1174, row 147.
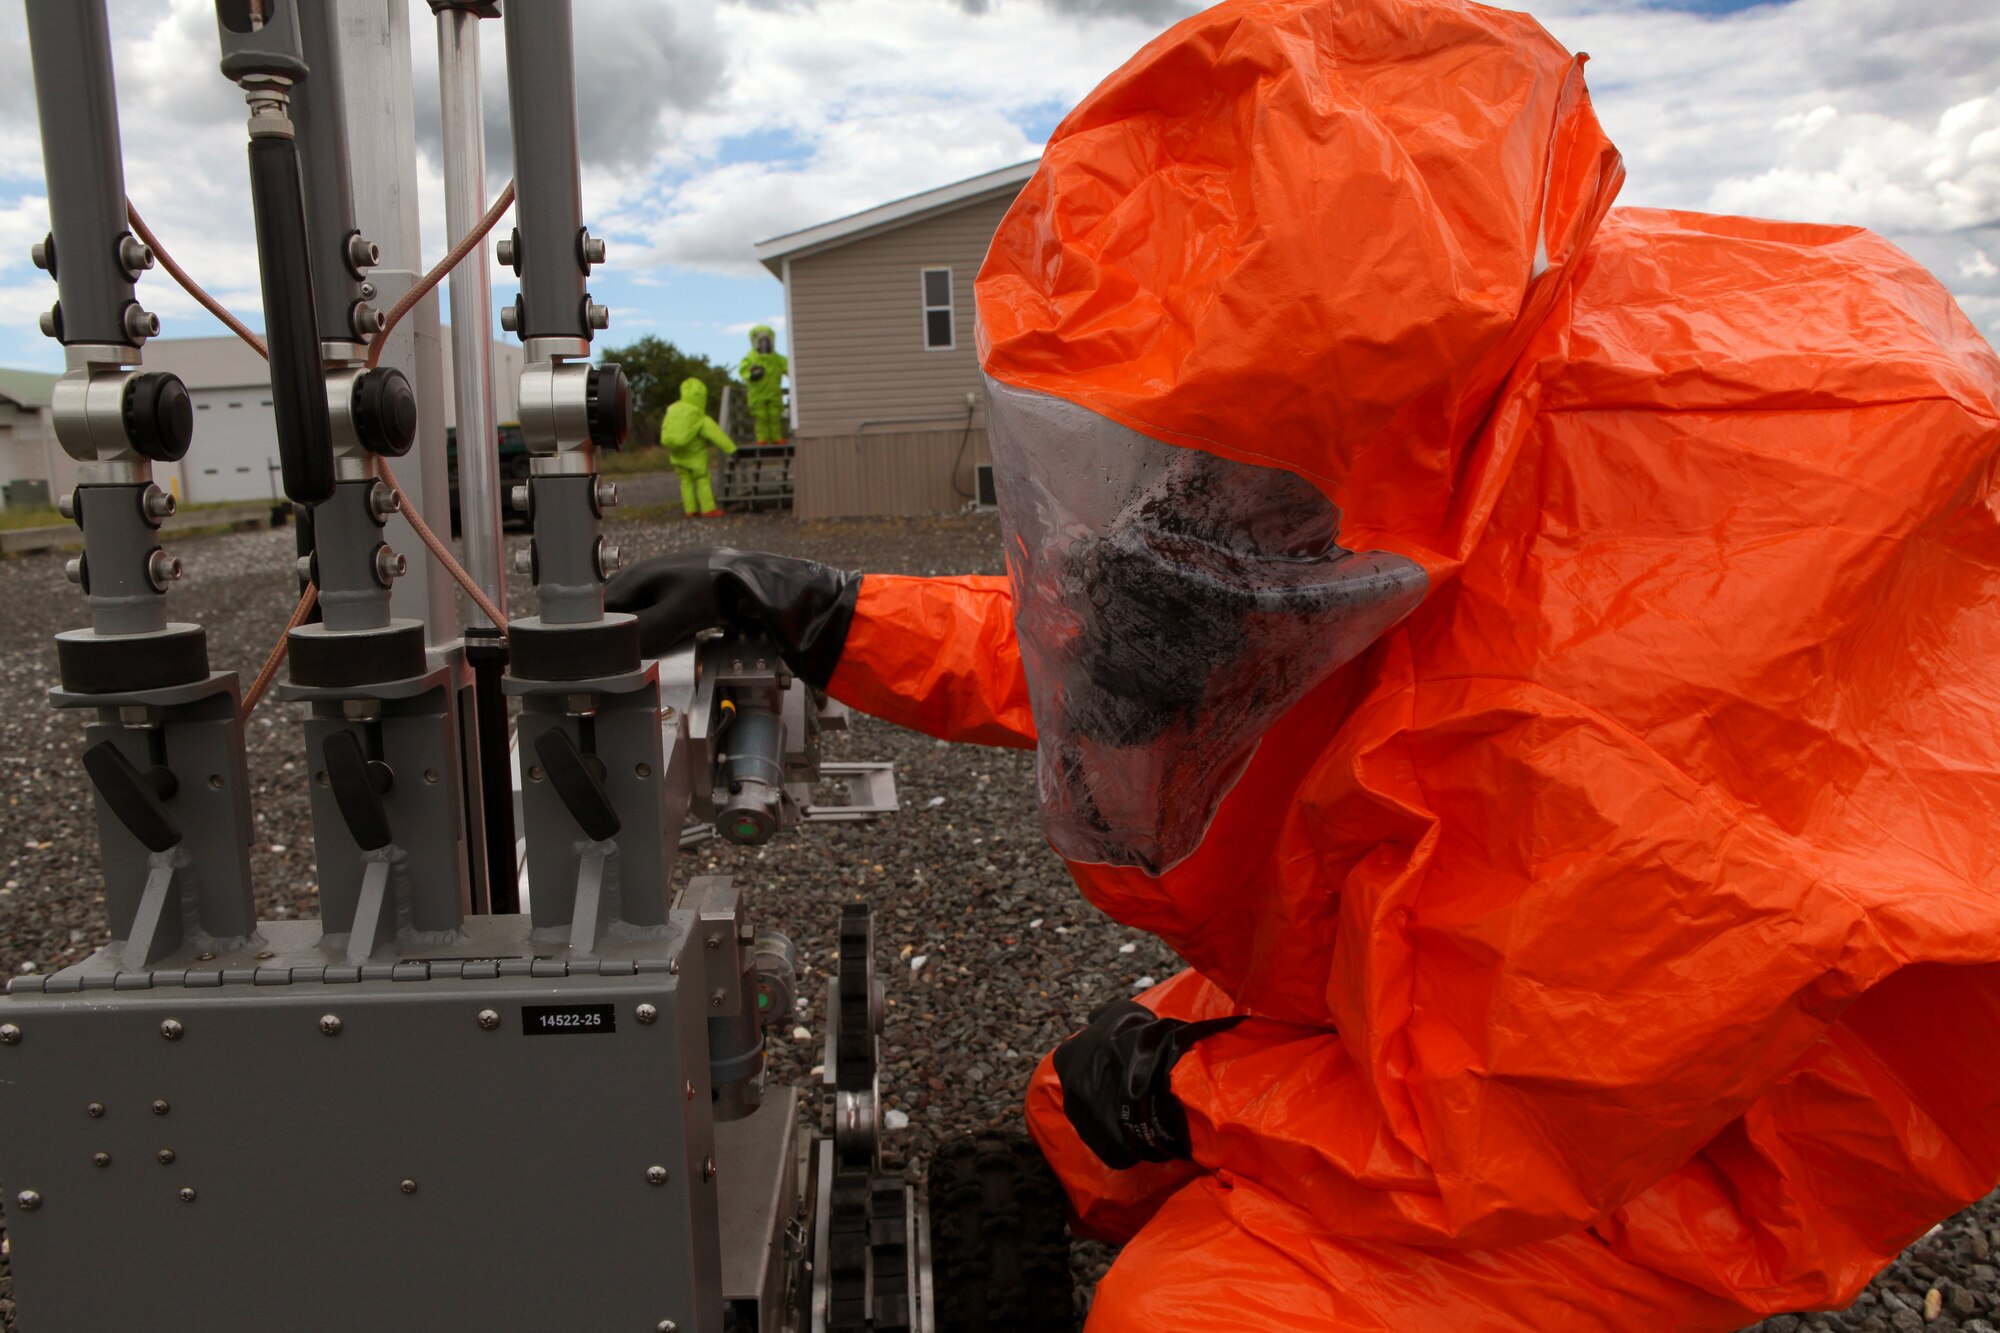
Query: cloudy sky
column 708, row 126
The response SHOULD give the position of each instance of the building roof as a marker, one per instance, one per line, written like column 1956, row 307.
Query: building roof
column 886, row 217
column 28, row 388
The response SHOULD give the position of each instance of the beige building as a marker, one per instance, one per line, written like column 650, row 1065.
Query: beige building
column 31, row 462
column 888, row 409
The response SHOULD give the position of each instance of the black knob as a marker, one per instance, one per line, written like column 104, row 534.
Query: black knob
column 159, row 416
column 385, row 411
column 610, row 406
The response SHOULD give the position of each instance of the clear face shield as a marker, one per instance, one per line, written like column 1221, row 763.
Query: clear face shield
column 1170, row 606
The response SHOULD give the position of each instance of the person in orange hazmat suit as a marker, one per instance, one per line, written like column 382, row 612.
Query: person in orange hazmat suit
column 1535, row 662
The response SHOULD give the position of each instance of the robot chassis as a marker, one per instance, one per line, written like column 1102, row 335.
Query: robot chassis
column 438, row 1106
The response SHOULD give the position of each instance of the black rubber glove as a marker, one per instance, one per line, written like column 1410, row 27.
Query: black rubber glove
column 803, row 606
column 756, row 373
column 1115, row 1083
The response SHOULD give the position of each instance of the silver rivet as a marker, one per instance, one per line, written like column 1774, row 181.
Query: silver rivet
column 690, row 1089
column 330, row 1024
column 714, row 943
column 100, row 1158
column 715, row 1000
column 160, row 1106
column 95, row 1110
column 215, row 782
column 666, row 1326
column 187, row 1194
column 204, row 957
column 646, row 1013
column 489, row 1019
column 431, row 776
column 643, row 770
column 267, row 954
column 172, row 1029
column 73, row 569
column 409, row 1186
column 9, row 1034
column 708, row 1167
column 656, row 1175
column 29, row 1200
column 166, row 1156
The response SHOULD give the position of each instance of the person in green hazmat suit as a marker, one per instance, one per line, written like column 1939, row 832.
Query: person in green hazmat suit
column 686, row 432
column 763, row 369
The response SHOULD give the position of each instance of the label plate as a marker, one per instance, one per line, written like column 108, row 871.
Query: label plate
column 551, row 1020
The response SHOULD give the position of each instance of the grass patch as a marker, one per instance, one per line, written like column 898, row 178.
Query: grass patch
column 629, row 460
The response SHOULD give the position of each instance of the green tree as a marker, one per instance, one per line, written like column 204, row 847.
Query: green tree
column 655, row 368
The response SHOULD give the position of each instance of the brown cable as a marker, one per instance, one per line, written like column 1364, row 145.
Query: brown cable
column 438, row 271
column 278, row 651
column 403, row 307
column 193, row 288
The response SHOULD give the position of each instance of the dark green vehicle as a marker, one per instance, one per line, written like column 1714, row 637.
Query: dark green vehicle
column 513, row 468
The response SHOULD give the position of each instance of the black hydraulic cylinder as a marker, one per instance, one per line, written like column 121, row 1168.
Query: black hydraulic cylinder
column 486, row 651
column 548, row 197
column 70, row 44
column 298, row 388
column 320, row 116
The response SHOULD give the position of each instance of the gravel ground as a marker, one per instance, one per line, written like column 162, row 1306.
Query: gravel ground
column 988, row 954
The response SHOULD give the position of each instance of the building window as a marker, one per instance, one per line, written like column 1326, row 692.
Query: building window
column 938, row 321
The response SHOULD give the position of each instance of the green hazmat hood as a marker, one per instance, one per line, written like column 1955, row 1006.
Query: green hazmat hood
column 695, row 392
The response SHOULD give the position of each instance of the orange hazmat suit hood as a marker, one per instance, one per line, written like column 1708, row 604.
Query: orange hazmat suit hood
column 1312, row 235
column 1239, row 329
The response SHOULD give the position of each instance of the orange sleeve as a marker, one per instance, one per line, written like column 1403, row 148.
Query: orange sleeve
column 938, row 656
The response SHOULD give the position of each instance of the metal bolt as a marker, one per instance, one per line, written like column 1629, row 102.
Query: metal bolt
column 708, row 1167
column 95, row 1110
column 503, row 250
column 159, row 503
column 134, row 256
column 534, row 772
column 715, row 1000
column 510, row 316
column 206, row 957
column 100, row 1159
column 187, row 1194
column 714, row 943
column 66, row 505
column 385, row 500
column 267, row 954
column 362, row 253
column 330, row 1024
column 597, row 316
column 643, row 769
column 215, row 781
column 646, row 1013
column 666, row 1326
column 171, row 1030
column 610, row 558
column 29, row 1200
column 48, row 322
column 593, row 250
column 73, row 569
column 162, row 569
column 389, row 566
column 39, row 252
column 160, row 1106
column 304, row 566
column 431, row 776
column 140, row 324
column 409, row 1186
column 489, row 1019
column 367, row 320
column 367, row 290
column 690, row 1089
column 9, row 1034
column 519, row 498
column 524, row 561
column 607, row 494
column 166, row 1156
column 656, row 1175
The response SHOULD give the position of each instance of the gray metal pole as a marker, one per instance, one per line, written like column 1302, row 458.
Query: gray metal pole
column 86, row 176
column 382, row 145
column 471, row 291
column 548, row 194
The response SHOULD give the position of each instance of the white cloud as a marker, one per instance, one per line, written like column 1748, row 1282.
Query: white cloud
column 1877, row 171
column 1977, row 265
